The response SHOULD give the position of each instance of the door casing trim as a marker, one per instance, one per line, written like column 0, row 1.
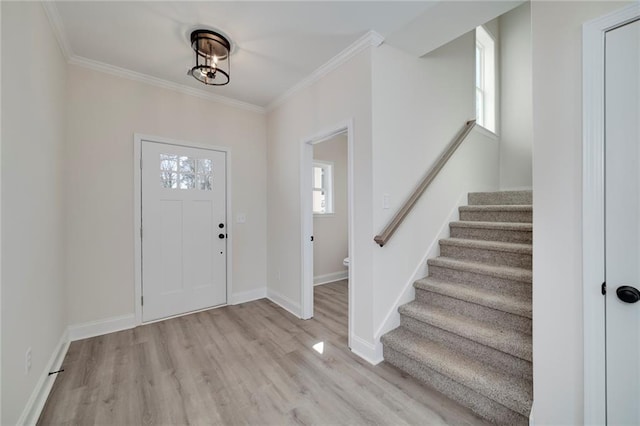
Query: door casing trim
column 137, row 217
column 306, row 219
column 593, row 273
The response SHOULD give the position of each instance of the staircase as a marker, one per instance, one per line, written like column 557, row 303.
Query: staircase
column 468, row 331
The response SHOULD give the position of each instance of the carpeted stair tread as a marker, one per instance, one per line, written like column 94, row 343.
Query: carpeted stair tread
column 506, row 226
column 488, row 245
column 513, row 392
column 507, row 341
column 501, row 197
column 505, row 272
column 497, row 208
column 477, row 295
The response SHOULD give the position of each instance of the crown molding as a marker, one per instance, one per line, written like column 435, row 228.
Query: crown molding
column 159, row 82
column 58, row 28
column 370, row 39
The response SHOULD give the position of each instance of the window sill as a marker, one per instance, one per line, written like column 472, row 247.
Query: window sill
column 486, row 132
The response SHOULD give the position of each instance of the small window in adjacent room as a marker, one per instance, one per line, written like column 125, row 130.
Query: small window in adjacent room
column 485, row 80
column 322, row 187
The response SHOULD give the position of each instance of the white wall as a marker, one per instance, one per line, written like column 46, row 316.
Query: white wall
column 330, row 232
column 34, row 78
column 419, row 104
column 516, row 123
column 557, row 203
column 104, row 112
column 342, row 94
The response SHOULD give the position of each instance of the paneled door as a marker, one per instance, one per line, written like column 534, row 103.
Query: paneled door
column 184, row 244
column 622, row 223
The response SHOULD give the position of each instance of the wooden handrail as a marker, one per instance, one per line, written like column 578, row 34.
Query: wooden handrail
column 391, row 228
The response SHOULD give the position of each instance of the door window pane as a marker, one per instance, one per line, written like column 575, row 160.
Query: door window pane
column 168, row 162
column 204, row 165
column 204, row 182
column 187, row 181
column 169, row 180
column 187, row 165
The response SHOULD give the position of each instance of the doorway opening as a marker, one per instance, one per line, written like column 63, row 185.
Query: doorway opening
column 327, row 223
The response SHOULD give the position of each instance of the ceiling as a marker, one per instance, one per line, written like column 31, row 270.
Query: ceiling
column 277, row 44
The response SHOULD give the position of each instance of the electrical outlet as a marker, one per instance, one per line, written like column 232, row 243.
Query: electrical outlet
column 27, row 361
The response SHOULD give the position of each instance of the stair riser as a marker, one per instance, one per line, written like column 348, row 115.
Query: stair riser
column 506, row 286
column 480, row 404
column 496, row 358
column 502, row 235
column 496, row 216
column 481, row 313
column 489, row 257
column 500, row 198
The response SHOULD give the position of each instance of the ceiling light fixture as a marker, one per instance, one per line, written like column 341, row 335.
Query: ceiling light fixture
column 212, row 57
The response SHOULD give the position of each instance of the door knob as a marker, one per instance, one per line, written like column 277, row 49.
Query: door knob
column 628, row 294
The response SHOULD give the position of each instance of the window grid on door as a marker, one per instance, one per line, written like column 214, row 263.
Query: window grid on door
column 184, row 172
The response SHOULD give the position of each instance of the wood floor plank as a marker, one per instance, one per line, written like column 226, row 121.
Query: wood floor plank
column 252, row 364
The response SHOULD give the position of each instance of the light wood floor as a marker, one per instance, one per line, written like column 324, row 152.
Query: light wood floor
column 245, row 364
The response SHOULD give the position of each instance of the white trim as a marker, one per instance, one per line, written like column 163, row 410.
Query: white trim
column 370, row 39
column 531, row 421
column 331, row 277
column 101, row 327
column 137, row 212
column 485, row 132
column 40, row 393
column 392, row 319
column 248, row 296
column 1, row 351
column 306, row 219
column 365, row 350
column 55, row 20
column 284, row 302
column 165, row 84
column 57, row 26
column 593, row 208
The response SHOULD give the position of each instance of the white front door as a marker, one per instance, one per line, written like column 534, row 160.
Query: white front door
column 184, row 245
column 622, row 223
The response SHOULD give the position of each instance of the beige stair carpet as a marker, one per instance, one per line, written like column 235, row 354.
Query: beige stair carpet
column 468, row 331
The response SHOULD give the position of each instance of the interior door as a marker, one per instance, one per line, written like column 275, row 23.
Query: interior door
column 184, row 245
column 622, row 223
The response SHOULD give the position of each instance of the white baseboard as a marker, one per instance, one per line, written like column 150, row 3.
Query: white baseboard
column 100, row 327
column 247, row 296
column 285, row 303
column 330, row 278
column 365, row 350
column 40, row 393
column 392, row 319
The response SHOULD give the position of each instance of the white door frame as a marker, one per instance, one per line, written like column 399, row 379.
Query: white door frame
column 137, row 216
column 306, row 217
column 593, row 127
